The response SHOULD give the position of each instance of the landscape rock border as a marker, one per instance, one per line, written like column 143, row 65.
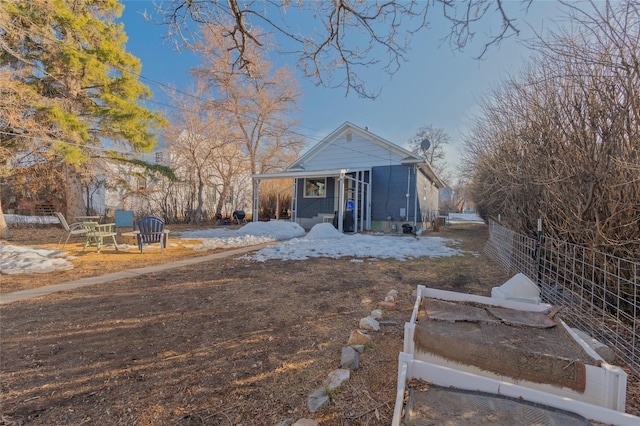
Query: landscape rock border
column 357, row 343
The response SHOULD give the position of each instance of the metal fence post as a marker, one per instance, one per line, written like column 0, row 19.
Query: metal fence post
column 539, row 254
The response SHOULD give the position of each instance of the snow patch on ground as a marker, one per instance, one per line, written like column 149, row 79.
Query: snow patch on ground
column 290, row 242
column 18, row 260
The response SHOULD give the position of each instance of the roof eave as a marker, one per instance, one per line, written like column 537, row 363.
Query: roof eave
column 428, row 170
column 300, row 174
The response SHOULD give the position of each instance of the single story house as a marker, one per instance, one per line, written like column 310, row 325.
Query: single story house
column 369, row 182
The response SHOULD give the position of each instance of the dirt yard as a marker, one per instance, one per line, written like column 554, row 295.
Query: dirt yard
column 223, row 342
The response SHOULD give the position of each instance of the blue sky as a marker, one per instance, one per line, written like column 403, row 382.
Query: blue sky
column 437, row 86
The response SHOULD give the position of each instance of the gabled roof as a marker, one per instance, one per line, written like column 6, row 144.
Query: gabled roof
column 407, row 156
column 297, row 168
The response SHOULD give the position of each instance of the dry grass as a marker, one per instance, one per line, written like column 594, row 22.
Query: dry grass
column 224, row 342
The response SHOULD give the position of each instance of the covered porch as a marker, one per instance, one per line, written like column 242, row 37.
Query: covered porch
column 320, row 195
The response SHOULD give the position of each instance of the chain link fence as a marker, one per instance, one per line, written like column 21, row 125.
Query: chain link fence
column 599, row 293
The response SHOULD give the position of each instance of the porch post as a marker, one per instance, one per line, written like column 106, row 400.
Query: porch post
column 369, row 191
column 294, row 201
column 341, row 202
column 363, row 211
column 415, row 200
column 408, row 193
column 256, row 199
column 356, row 188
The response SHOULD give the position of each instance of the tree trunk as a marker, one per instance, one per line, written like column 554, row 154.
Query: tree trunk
column 198, row 212
column 4, row 229
column 73, row 189
column 224, row 192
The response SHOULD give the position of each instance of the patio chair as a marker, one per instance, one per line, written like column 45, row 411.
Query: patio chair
column 124, row 219
column 96, row 233
column 151, row 230
column 75, row 229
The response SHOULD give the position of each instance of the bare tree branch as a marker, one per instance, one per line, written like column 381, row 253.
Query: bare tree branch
column 561, row 141
column 333, row 41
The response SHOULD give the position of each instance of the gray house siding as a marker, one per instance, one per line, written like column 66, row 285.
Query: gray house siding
column 400, row 182
column 427, row 199
column 311, row 207
column 389, row 195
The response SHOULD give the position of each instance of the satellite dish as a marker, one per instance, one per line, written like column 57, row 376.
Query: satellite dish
column 425, row 144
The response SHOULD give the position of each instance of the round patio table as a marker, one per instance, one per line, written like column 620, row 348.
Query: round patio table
column 95, row 218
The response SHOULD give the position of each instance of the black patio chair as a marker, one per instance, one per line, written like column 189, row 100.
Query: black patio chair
column 151, row 230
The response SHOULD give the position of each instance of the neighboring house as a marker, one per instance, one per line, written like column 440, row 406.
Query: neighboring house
column 128, row 187
column 124, row 186
column 106, row 186
column 111, row 185
column 368, row 181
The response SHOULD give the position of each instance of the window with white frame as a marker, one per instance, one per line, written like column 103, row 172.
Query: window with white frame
column 315, row 187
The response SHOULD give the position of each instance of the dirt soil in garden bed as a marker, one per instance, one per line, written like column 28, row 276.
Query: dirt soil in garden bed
column 223, row 342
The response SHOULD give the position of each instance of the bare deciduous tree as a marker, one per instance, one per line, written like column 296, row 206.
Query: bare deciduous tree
column 460, row 198
column 235, row 124
column 196, row 136
column 334, row 40
column 259, row 104
column 434, row 154
column 561, row 141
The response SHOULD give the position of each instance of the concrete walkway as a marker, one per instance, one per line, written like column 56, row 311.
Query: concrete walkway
column 43, row 291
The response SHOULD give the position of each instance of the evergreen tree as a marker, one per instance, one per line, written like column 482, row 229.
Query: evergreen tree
column 74, row 88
